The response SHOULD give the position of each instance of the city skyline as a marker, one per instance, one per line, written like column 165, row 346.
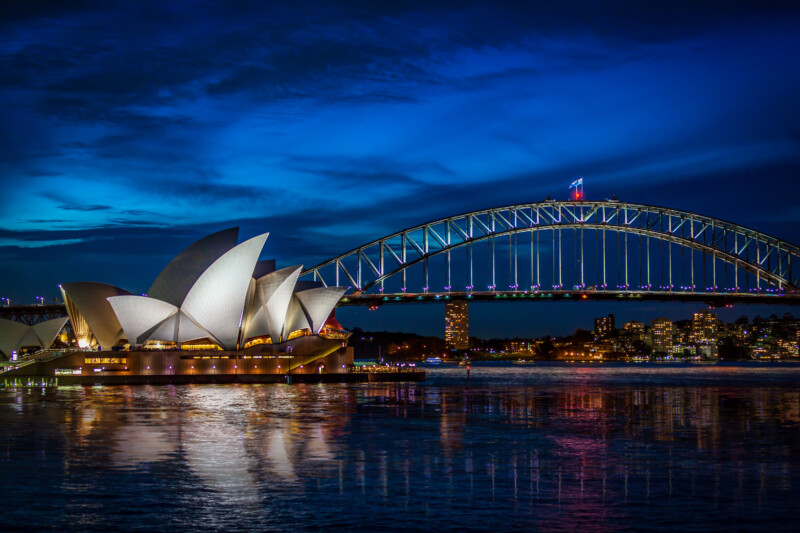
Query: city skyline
column 174, row 122
column 702, row 336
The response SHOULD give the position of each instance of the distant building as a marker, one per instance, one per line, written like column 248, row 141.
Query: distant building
column 683, row 349
column 519, row 346
column 456, row 325
column 762, row 349
column 742, row 333
column 604, row 326
column 708, row 351
column 631, row 333
column 683, row 331
column 662, row 335
column 633, row 327
column 604, row 348
column 705, row 328
column 787, row 348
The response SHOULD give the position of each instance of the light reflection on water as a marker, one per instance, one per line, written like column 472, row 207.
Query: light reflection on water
column 551, row 447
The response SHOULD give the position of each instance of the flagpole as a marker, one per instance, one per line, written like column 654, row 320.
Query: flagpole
column 578, row 186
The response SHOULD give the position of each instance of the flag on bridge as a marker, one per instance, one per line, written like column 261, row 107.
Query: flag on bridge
column 578, row 186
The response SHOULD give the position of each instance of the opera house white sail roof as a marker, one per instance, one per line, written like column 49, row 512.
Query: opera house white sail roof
column 270, row 304
column 318, row 304
column 90, row 313
column 176, row 280
column 215, row 290
column 15, row 335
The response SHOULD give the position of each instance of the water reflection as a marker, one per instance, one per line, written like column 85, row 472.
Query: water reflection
column 516, row 448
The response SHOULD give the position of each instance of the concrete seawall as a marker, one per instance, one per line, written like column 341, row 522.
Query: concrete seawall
column 355, row 377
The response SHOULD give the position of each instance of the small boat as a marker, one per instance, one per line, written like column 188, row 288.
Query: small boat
column 523, row 362
column 434, row 360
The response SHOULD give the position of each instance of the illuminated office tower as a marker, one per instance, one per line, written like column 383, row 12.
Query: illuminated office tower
column 604, row 326
column 705, row 327
column 662, row 335
column 633, row 328
column 456, row 325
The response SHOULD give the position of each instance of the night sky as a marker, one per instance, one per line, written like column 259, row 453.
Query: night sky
column 131, row 129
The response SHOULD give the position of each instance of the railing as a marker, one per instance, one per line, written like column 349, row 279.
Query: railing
column 40, row 356
column 385, row 368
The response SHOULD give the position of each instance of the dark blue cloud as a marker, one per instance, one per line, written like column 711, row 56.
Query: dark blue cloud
column 89, row 207
column 131, row 129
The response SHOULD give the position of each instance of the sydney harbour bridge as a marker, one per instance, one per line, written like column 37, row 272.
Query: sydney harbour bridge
column 557, row 251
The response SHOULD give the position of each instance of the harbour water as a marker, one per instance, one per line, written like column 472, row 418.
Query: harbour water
column 551, row 447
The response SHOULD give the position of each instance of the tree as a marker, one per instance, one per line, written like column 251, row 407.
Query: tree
column 641, row 348
column 729, row 350
column 582, row 336
column 546, row 350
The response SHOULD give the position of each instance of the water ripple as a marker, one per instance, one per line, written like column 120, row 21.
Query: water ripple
column 548, row 447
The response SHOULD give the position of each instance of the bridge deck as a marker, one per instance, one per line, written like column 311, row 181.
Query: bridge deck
column 32, row 314
column 717, row 299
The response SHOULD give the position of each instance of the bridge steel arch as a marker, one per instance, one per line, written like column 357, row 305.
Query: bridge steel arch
column 771, row 261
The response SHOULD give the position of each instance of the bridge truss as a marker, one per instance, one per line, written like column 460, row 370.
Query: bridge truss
column 33, row 314
column 602, row 248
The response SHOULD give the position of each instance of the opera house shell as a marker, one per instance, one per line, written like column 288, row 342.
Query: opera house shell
column 16, row 335
column 214, row 294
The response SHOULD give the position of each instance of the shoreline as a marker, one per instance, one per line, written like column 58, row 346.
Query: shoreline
column 218, row 379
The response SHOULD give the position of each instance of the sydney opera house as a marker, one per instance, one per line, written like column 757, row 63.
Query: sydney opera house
column 215, row 310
